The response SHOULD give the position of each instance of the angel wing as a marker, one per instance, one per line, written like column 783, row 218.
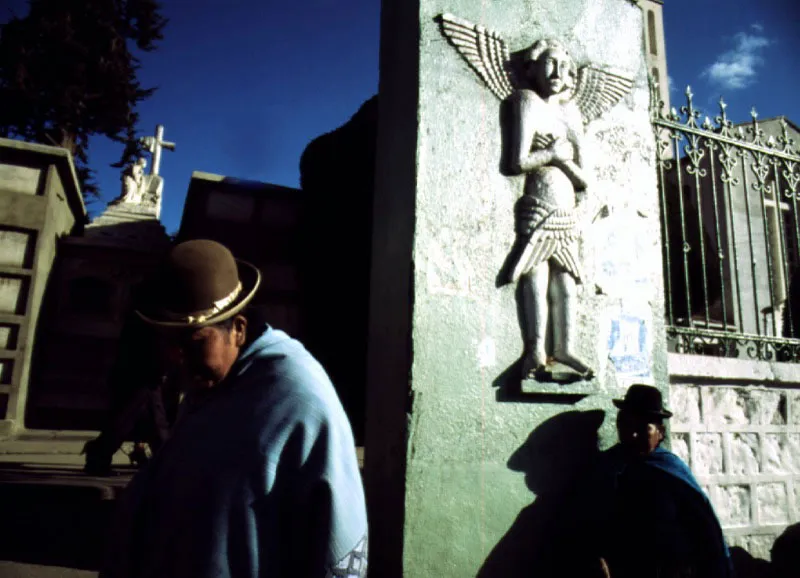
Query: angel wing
column 598, row 90
column 483, row 50
column 553, row 238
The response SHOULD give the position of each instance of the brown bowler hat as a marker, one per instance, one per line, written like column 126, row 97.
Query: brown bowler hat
column 643, row 399
column 198, row 284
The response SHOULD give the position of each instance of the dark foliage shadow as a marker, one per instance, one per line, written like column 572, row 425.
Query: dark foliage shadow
column 554, row 459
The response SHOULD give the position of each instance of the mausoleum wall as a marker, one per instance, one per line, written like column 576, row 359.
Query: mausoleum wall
column 737, row 425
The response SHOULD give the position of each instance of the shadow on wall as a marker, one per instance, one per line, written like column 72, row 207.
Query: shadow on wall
column 786, row 553
column 337, row 173
column 746, row 566
column 785, row 558
column 554, row 459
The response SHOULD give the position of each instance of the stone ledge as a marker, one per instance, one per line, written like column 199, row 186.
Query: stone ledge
column 683, row 367
column 24, row 478
column 694, row 427
column 63, row 161
column 149, row 209
column 773, row 530
column 8, row 428
column 531, row 386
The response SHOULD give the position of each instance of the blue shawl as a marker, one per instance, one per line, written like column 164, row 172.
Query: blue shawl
column 259, row 480
column 615, row 460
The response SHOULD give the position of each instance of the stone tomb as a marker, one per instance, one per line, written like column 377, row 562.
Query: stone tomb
column 90, row 295
column 516, row 277
column 40, row 203
column 88, row 299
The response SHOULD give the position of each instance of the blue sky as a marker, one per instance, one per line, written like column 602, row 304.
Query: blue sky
column 747, row 52
column 244, row 85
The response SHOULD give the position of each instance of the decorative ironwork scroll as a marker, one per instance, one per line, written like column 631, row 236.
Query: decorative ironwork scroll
column 729, row 199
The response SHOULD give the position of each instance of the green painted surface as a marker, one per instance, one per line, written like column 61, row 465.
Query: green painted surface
column 461, row 494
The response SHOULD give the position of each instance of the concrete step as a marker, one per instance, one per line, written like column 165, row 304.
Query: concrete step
column 54, row 447
column 20, row 570
column 28, row 479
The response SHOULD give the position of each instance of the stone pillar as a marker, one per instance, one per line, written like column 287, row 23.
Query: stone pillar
column 448, row 413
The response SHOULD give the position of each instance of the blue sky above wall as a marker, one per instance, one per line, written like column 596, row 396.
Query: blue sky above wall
column 244, row 85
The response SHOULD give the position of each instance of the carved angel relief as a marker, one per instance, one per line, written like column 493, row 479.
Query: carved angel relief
column 550, row 101
column 595, row 90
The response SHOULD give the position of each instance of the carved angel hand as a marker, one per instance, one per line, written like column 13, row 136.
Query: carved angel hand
column 562, row 150
column 542, row 141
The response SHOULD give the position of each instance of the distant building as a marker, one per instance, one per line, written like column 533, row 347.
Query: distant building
column 655, row 48
column 260, row 223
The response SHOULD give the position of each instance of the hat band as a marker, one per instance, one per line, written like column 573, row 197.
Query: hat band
column 204, row 314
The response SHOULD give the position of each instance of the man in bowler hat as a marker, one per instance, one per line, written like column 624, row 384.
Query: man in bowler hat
column 259, row 477
column 649, row 516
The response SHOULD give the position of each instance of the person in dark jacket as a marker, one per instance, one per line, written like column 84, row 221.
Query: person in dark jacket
column 651, row 519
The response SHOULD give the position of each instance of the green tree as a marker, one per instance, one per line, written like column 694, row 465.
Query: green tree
column 68, row 70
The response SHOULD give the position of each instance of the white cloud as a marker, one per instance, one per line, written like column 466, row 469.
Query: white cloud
column 737, row 68
column 671, row 87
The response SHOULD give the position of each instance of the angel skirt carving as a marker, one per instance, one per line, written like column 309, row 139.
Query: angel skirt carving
column 549, row 100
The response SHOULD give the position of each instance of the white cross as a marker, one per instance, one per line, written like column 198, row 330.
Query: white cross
column 154, row 144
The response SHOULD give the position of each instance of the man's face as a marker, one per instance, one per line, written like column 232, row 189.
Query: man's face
column 553, row 72
column 639, row 433
column 203, row 356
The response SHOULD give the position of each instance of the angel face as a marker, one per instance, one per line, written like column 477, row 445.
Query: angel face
column 553, row 72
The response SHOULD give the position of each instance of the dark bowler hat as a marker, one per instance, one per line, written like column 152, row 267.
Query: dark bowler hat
column 643, row 399
column 198, row 284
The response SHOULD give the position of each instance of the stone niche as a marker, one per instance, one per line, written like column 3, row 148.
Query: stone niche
column 447, row 403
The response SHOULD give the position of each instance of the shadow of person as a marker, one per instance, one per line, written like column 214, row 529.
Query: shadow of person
column 747, row 566
column 554, row 459
column 786, row 554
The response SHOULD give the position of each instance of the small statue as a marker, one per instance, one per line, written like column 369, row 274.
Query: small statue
column 134, row 182
column 550, row 100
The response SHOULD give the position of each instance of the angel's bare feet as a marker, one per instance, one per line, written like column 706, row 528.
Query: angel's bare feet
column 573, row 363
column 532, row 363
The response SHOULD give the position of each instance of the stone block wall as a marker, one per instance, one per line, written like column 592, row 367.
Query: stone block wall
column 40, row 202
column 742, row 441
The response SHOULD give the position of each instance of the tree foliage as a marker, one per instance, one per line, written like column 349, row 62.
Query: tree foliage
column 68, row 70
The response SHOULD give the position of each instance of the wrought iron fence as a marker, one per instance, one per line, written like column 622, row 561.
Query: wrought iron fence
column 729, row 209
